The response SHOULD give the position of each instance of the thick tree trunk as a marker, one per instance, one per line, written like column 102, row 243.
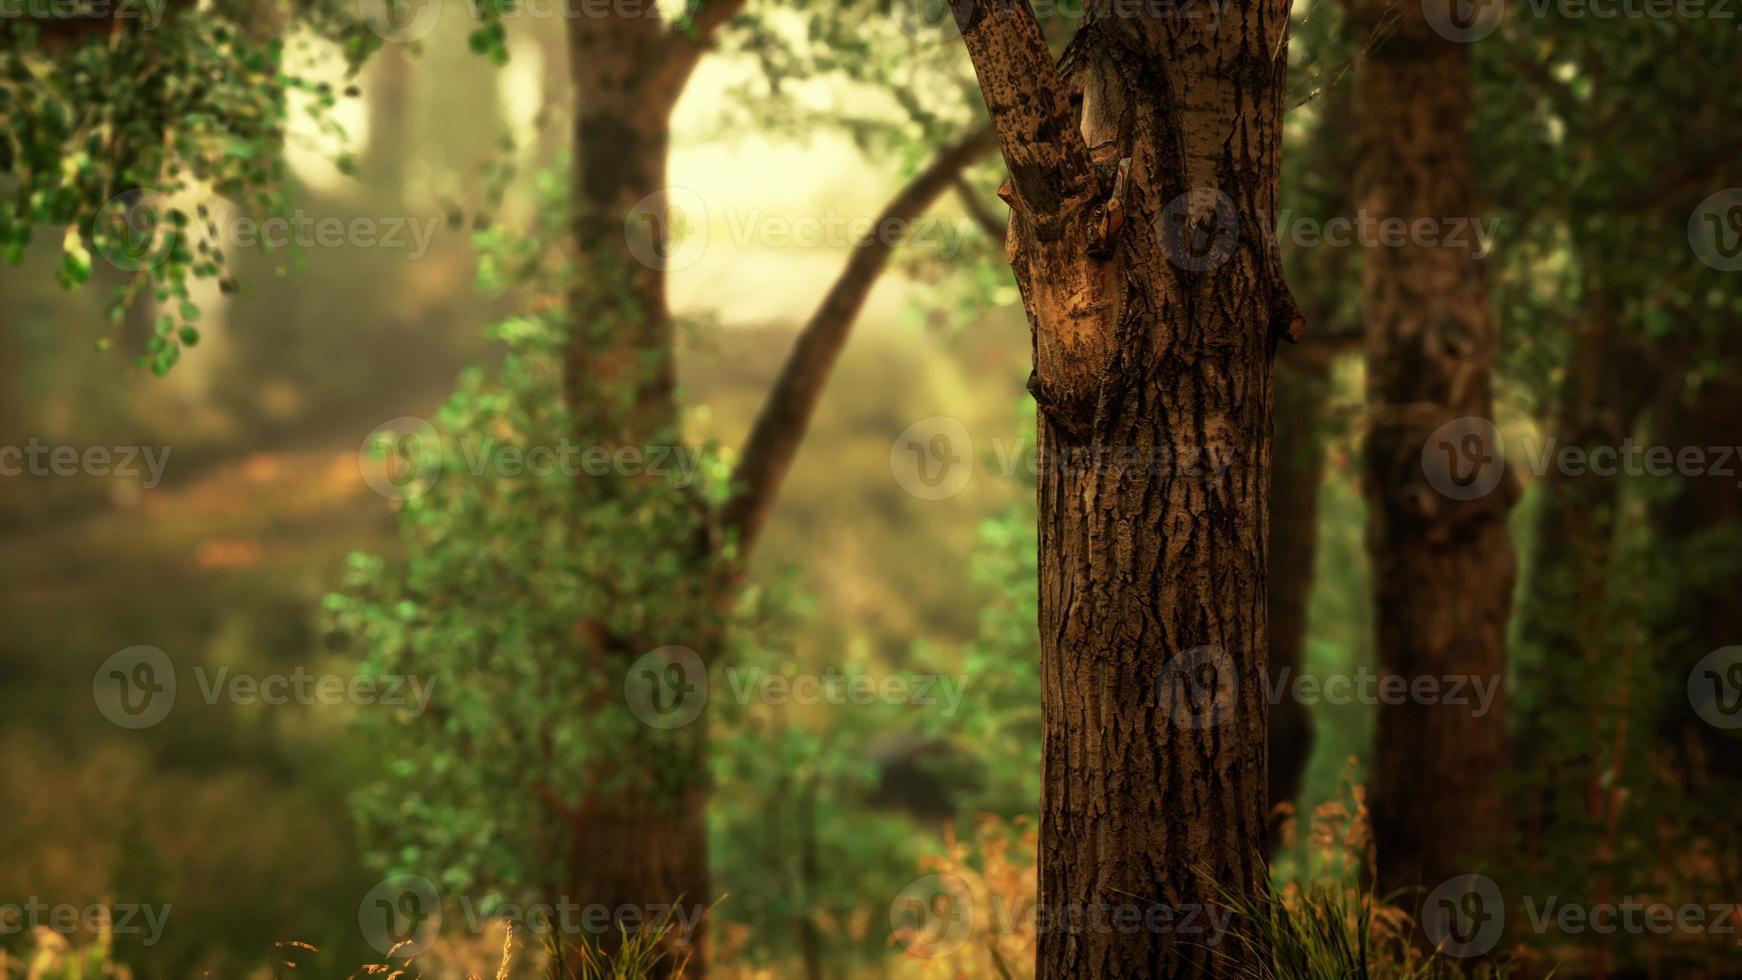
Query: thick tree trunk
column 1442, row 565
column 1142, row 240
column 1298, row 467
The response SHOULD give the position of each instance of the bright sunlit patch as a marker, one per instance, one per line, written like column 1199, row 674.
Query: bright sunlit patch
column 313, row 143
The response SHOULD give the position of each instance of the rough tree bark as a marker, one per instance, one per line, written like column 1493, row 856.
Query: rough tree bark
column 1442, row 566
column 1143, row 181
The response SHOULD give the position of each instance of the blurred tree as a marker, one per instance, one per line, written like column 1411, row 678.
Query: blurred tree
column 622, row 805
column 1442, row 561
column 1145, row 253
column 1315, row 186
column 1613, row 158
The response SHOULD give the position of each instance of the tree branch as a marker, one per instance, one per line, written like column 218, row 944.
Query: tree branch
column 688, row 40
column 1029, row 103
column 786, row 414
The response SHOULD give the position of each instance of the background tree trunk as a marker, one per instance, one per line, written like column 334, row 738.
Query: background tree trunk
column 631, row 843
column 1298, row 467
column 1442, row 567
column 1142, row 241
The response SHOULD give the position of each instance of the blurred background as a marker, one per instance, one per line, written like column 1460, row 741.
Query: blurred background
column 239, row 817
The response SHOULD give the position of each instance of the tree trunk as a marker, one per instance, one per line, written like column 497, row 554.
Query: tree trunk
column 389, row 135
column 1600, row 402
column 1298, row 467
column 1442, row 563
column 1142, row 241
column 632, row 843
column 1697, row 528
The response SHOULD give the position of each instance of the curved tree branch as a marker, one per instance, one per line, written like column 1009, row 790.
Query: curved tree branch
column 786, row 414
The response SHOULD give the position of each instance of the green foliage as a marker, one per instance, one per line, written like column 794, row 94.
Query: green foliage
column 122, row 147
column 1000, row 723
column 1338, row 932
column 501, row 566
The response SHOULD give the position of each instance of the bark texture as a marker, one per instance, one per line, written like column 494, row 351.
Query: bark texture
column 1143, row 194
column 1442, row 567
